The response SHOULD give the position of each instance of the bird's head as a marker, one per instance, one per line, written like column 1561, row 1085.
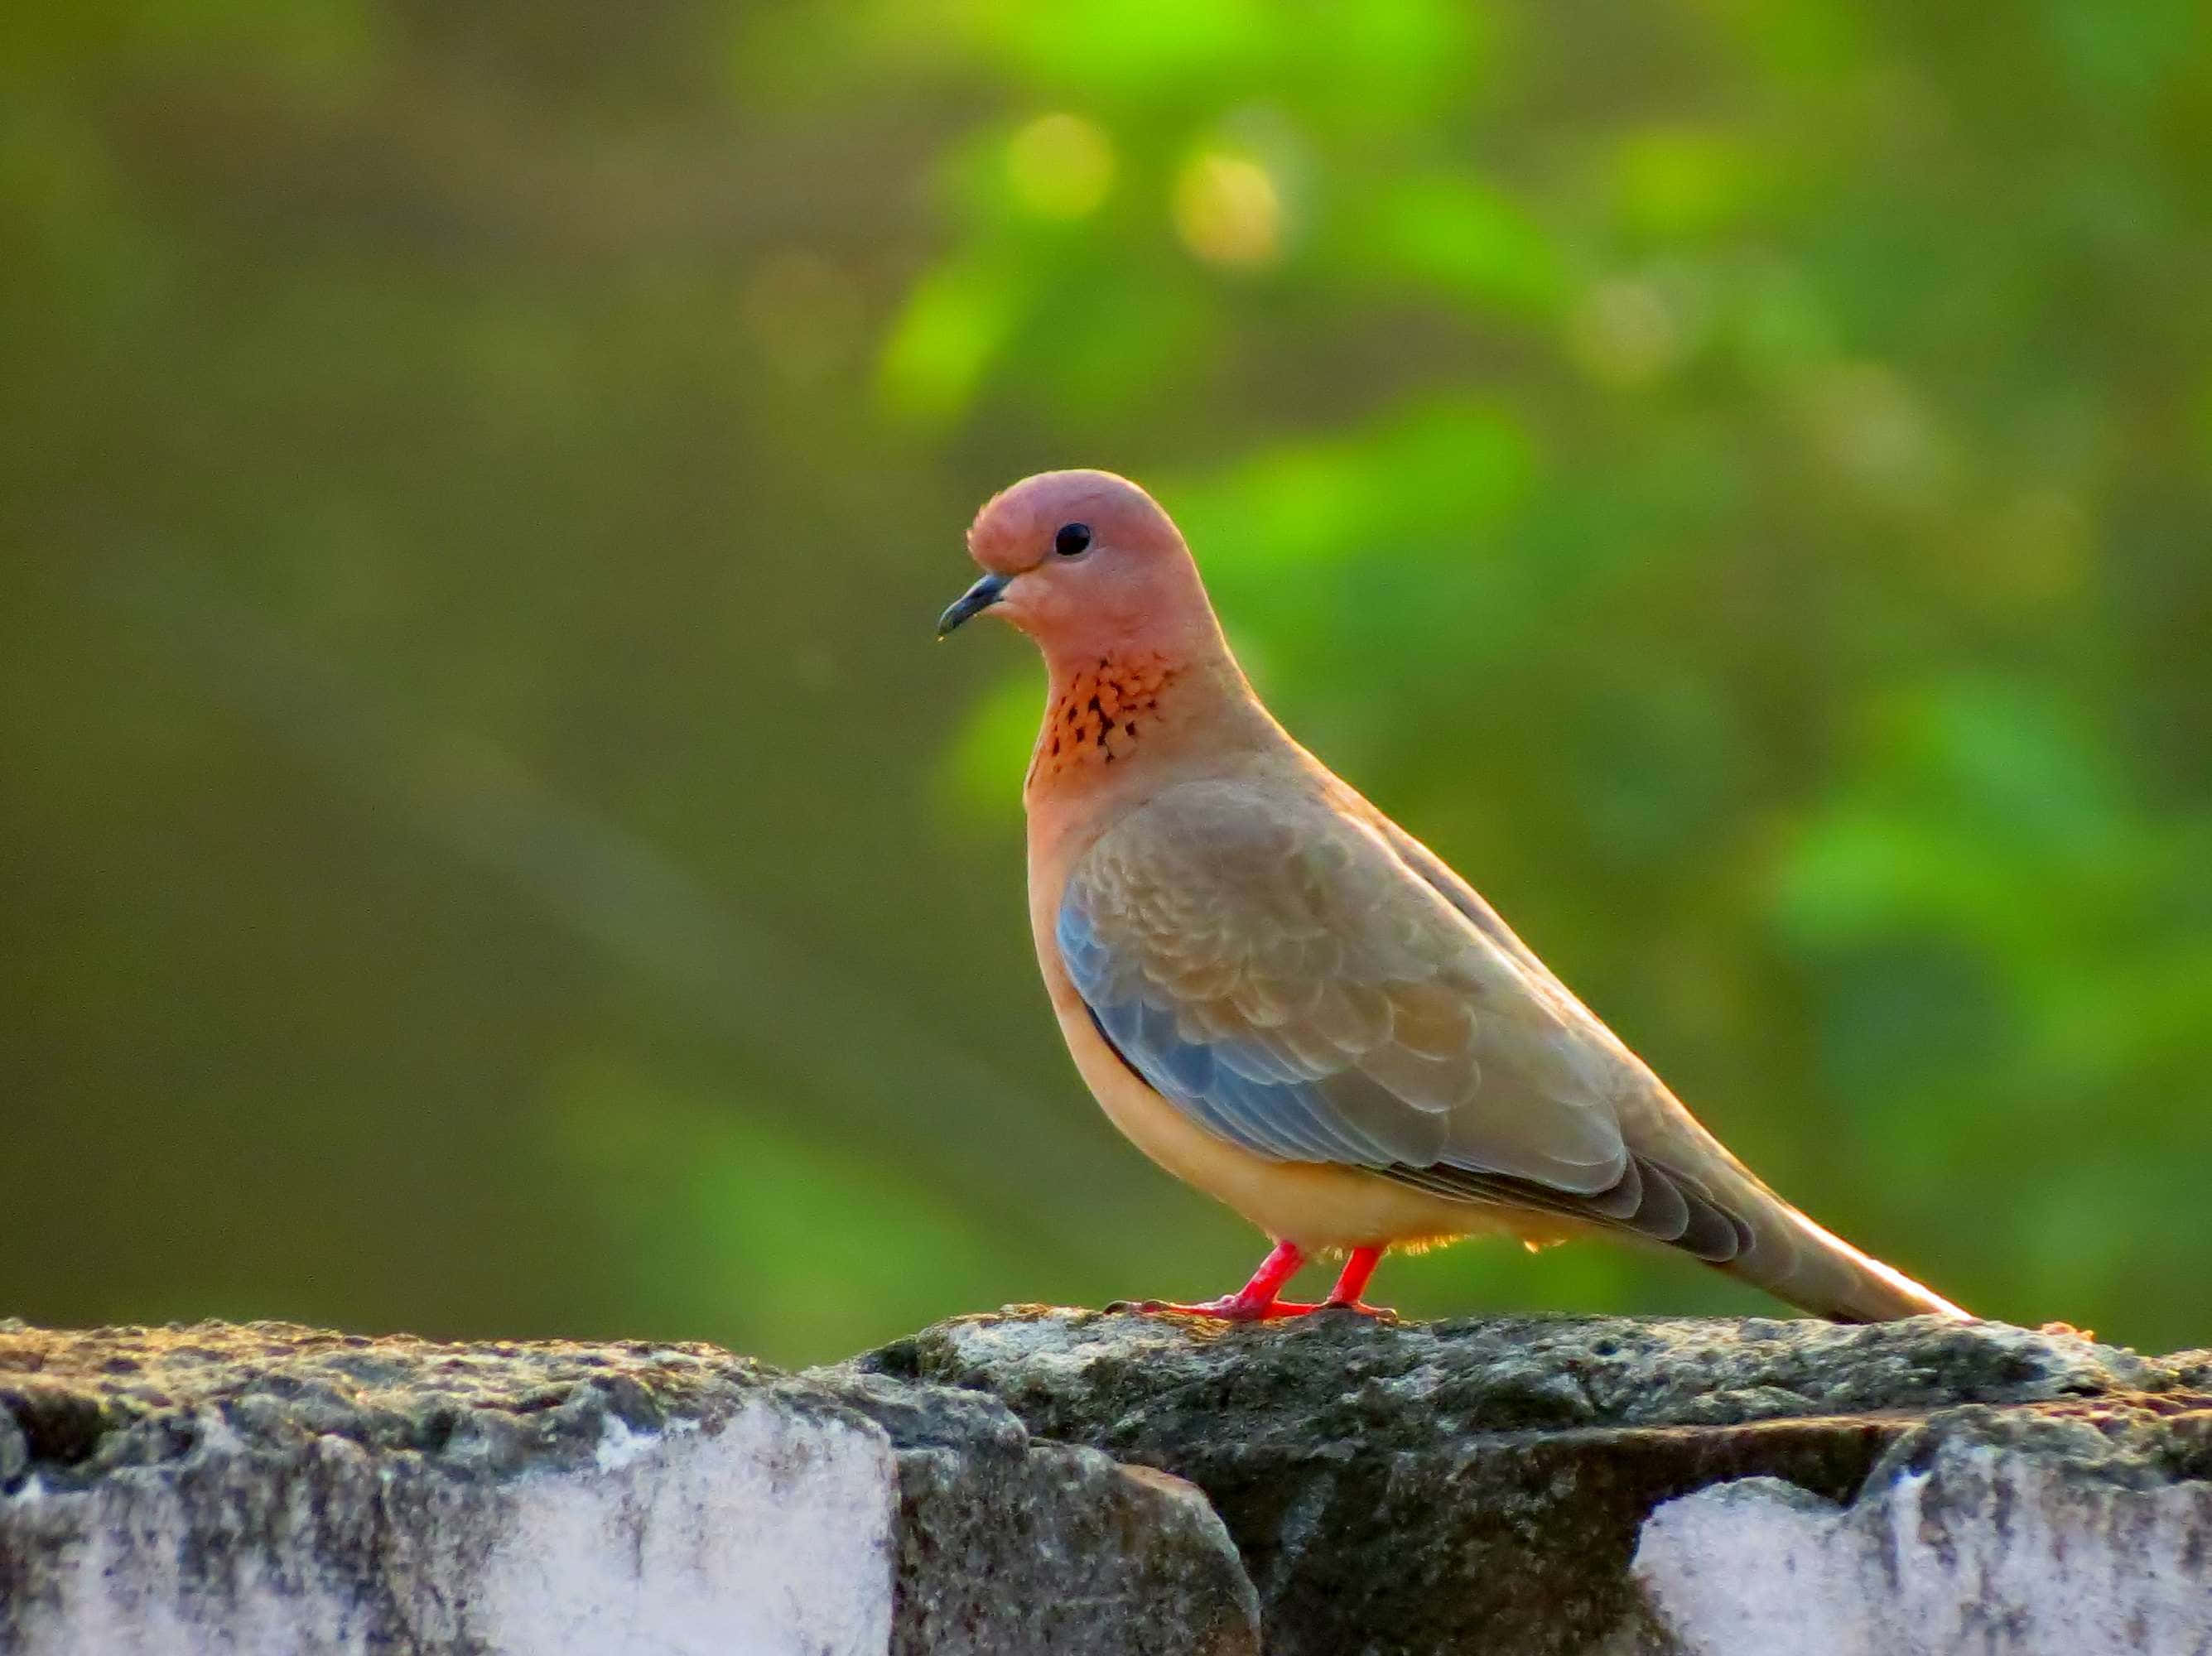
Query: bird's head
column 1084, row 562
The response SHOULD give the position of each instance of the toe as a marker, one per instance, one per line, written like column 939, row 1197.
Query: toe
column 1380, row 1313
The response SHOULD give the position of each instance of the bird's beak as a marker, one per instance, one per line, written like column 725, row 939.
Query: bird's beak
column 973, row 602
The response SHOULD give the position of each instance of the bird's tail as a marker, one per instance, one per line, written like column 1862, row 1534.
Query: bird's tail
column 1814, row 1269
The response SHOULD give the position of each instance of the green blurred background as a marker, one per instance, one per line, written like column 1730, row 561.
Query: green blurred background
column 489, row 845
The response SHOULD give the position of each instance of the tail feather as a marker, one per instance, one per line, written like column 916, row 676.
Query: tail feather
column 1723, row 1216
column 1814, row 1269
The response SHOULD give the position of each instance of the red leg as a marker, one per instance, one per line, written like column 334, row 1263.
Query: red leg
column 1256, row 1300
column 1353, row 1281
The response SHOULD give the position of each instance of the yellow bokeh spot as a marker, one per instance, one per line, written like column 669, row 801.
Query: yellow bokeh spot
column 1061, row 167
column 1228, row 212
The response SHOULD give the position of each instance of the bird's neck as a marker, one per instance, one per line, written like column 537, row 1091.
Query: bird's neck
column 1116, row 713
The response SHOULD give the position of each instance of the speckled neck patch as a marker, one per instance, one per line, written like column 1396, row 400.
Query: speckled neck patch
column 1099, row 715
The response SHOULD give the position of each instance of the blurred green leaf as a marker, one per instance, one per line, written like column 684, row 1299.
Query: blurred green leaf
column 953, row 324
column 1461, row 237
column 979, row 777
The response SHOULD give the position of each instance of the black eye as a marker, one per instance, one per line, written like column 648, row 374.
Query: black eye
column 1071, row 539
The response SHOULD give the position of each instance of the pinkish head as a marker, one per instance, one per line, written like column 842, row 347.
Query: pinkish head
column 1084, row 562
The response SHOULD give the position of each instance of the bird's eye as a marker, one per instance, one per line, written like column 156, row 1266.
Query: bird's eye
column 1072, row 538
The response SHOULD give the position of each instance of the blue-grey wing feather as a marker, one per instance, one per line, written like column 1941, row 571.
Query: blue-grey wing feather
column 1292, row 982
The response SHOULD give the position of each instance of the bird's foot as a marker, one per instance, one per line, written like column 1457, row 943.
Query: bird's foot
column 1253, row 1302
column 1256, row 1302
column 1237, row 1309
column 1230, row 1307
column 1380, row 1313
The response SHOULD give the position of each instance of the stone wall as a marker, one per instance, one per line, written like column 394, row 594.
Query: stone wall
column 1048, row 1482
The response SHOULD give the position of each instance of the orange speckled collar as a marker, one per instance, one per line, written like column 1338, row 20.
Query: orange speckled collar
column 1100, row 712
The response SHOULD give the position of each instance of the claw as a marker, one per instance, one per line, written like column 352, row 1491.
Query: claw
column 1230, row 1308
column 1380, row 1313
column 1234, row 1309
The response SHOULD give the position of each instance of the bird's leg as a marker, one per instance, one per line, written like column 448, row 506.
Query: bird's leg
column 1256, row 1300
column 1359, row 1266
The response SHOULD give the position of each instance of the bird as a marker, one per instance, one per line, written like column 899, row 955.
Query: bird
column 1286, row 1000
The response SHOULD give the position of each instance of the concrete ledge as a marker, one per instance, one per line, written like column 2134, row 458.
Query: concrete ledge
column 276, row 1489
column 1090, row 1483
column 1490, row 1484
column 2048, row 1532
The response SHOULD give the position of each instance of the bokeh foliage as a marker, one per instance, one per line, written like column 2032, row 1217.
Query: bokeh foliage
column 489, row 847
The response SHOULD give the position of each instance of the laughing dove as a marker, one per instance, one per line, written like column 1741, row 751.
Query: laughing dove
column 1285, row 998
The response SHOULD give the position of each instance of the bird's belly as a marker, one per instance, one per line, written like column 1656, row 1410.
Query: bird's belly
column 1319, row 1206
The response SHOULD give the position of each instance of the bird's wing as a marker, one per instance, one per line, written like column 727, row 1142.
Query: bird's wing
column 1273, row 968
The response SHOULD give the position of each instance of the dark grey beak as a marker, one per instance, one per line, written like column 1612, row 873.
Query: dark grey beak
column 973, row 602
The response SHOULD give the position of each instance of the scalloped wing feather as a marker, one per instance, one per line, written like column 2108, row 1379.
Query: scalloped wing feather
column 1272, row 967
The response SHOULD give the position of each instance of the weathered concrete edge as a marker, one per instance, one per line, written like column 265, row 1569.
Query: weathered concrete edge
column 1251, row 1413
column 367, row 1440
column 954, row 1451
column 996, row 1523
column 770, row 1525
column 2076, row 1533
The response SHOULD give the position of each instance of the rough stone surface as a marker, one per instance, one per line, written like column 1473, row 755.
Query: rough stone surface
column 1011, row 1546
column 269, row 1488
column 1111, row 1485
column 1482, row 1484
column 274, row 1488
column 2049, row 1532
